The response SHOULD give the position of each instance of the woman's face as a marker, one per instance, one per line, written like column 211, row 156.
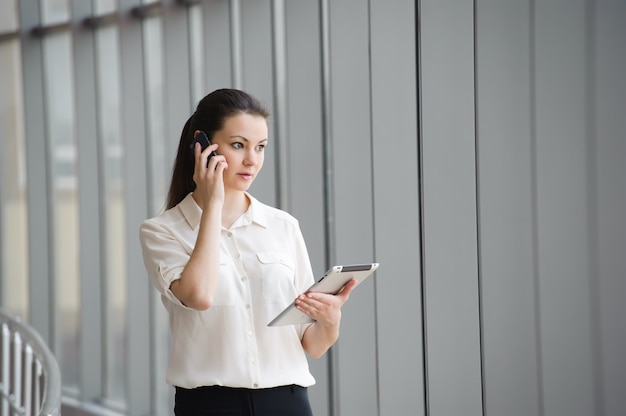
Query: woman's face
column 242, row 142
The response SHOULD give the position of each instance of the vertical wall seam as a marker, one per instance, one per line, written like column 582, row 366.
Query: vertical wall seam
column 54, row 340
column 279, row 75
column 3, row 277
column 373, row 185
column 51, row 324
column 481, row 335
column 236, row 48
column 420, row 191
column 189, row 25
column 153, row 353
column 592, row 208
column 327, row 134
column 153, row 303
column 91, row 386
column 535, row 204
column 328, row 188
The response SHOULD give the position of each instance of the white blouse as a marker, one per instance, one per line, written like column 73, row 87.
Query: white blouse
column 264, row 265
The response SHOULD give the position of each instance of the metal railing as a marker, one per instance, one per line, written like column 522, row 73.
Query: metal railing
column 30, row 380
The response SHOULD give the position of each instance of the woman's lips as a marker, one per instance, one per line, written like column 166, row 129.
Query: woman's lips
column 245, row 176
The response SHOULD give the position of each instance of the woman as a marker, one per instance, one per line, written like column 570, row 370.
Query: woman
column 225, row 265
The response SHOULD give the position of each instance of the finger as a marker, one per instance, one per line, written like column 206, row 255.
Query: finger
column 345, row 291
column 317, row 298
column 317, row 301
column 218, row 164
column 303, row 305
column 200, row 155
column 197, row 169
column 326, row 313
column 205, row 155
column 197, row 150
column 211, row 148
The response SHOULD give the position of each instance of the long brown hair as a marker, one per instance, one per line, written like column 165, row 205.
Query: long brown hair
column 211, row 113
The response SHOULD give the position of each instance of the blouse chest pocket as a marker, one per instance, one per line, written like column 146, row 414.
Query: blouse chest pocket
column 277, row 277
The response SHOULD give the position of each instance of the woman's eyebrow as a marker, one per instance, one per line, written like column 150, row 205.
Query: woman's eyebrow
column 236, row 136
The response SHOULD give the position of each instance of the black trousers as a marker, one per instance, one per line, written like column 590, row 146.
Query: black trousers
column 227, row 401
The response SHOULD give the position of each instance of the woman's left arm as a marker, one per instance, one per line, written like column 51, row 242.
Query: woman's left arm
column 326, row 310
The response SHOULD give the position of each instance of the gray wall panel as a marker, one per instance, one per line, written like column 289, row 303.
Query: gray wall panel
column 449, row 201
column 506, row 208
column 562, row 192
column 178, row 102
column 256, row 35
column 305, row 125
column 305, row 137
column 609, row 283
column 136, row 210
column 396, row 209
column 352, row 182
column 91, row 270
column 41, row 261
column 218, row 44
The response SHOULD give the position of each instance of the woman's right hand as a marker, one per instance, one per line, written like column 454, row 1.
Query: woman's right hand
column 209, row 179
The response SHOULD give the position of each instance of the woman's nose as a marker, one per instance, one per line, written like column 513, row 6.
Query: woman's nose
column 250, row 158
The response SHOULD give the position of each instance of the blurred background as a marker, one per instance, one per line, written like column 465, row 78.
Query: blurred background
column 476, row 149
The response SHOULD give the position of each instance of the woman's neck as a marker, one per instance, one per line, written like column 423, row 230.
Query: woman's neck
column 235, row 204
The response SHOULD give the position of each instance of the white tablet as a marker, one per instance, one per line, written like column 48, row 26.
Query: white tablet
column 332, row 282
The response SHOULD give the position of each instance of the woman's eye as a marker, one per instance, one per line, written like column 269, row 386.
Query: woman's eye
column 237, row 145
column 260, row 147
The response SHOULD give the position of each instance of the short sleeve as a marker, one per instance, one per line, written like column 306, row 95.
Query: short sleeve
column 164, row 257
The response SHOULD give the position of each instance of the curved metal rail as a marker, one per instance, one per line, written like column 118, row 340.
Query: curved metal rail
column 30, row 380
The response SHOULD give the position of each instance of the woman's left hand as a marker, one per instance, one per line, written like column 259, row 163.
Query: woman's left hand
column 325, row 308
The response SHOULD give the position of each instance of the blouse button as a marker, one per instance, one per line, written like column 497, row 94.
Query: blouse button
column 229, row 234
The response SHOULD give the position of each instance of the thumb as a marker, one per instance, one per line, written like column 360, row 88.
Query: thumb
column 345, row 291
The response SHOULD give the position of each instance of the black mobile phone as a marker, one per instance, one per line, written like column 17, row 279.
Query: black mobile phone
column 204, row 141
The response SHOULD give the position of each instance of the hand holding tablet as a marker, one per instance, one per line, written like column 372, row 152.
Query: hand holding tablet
column 332, row 282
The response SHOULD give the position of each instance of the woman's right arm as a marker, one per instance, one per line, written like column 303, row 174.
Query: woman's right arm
column 198, row 282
